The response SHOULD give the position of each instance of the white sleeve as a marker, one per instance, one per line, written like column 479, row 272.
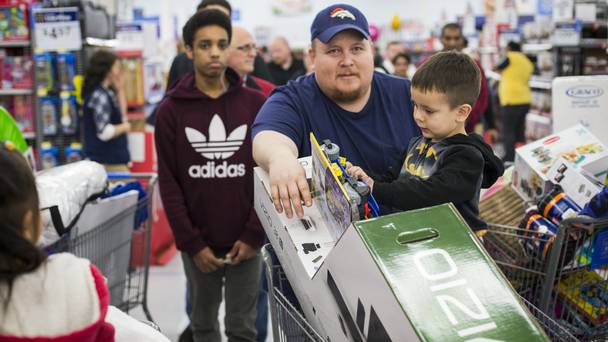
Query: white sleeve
column 129, row 329
column 107, row 133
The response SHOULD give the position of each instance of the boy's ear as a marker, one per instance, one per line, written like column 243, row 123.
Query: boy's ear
column 463, row 112
column 189, row 51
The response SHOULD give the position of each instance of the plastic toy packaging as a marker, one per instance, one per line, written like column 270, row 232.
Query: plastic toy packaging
column 48, row 110
column 13, row 23
column 66, row 69
column 73, row 153
column 17, row 72
column 22, row 112
column 49, row 155
column 44, row 71
column 69, row 114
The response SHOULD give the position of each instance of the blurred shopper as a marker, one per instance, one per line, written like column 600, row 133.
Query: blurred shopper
column 515, row 96
column 392, row 49
column 105, row 124
column 284, row 66
column 241, row 57
column 401, row 62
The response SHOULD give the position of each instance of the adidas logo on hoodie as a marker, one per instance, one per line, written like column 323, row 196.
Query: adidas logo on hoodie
column 217, row 148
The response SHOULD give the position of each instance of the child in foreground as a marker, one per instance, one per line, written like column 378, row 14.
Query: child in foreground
column 445, row 164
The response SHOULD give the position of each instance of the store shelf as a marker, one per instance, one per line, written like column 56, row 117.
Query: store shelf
column 18, row 43
column 538, row 118
column 539, row 83
column 110, row 43
column 594, row 43
column 536, row 47
column 10, row 92
column 29, row 135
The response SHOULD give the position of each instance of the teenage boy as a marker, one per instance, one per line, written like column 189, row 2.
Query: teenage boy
column 444, row 164
column 205, row 167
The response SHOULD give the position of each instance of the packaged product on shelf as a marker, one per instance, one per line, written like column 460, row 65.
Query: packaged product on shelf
column 581, row 99
column 66, row 69
column 49, row 155
column 73, row 153
column 22, row 110
column 69, row 114
column 17, row 72
column 48, row 112
column 532, row 161
column 13, row 23
column 133, row 78
column 44, row 71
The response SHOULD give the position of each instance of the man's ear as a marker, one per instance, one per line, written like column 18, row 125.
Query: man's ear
column 189, row 51
column 463, row 112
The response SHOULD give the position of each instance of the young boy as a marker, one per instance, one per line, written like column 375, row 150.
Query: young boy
column 444, row 164
column 205, row 169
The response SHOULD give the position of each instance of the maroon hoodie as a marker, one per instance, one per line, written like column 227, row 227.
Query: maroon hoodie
column 205, row 165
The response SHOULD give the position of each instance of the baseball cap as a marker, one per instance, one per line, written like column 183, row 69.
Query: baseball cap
column 335, row 19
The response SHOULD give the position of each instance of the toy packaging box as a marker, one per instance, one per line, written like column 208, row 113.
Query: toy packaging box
column 584, row 100
column 576, row 182
column 14, row 23
column 420, row 275
column 576, row 145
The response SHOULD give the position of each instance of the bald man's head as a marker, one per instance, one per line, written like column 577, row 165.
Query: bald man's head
column 280, row 51
column 242, row 51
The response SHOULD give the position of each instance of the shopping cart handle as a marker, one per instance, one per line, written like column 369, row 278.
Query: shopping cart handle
column 131, row 175
column 119, row 175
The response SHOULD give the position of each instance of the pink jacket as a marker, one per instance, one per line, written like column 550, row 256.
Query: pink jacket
column 65, row 300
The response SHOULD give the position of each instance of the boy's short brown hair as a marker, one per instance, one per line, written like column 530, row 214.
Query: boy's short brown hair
column 452, row 73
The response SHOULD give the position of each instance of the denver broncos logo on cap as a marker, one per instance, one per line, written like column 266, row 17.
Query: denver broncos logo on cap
column 342, row 13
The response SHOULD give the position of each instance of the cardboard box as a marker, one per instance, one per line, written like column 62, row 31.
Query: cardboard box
column 584, row 100
column 578, row 185
column 532, row 161
column 417, row 275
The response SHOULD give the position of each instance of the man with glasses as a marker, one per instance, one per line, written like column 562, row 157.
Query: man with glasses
column 241, row 58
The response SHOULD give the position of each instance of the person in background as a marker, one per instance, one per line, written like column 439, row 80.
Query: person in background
column 105, row 125
column 56, row 298
column 401, row 62
column 241, row 57
column 514, row 96
column 182, row 65
column 392, row 49
column 344, row 100
column 207, row 189
column 284, row 66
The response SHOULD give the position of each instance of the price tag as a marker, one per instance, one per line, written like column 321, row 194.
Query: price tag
column 567, row 35
column 57, row 29
column 130, row 36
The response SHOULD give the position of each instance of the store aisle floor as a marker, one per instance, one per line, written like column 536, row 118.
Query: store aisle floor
column 166, row 300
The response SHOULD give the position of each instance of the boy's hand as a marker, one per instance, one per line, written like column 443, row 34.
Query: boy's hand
column 206, row 261
column 357, row 172
column 241, row 252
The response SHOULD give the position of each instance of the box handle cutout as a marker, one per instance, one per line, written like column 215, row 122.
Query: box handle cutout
column 417, row 236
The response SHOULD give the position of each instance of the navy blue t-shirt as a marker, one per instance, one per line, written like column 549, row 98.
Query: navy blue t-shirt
column 373, row 138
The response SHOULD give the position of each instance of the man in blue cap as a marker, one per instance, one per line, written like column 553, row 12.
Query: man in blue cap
column 368, row 114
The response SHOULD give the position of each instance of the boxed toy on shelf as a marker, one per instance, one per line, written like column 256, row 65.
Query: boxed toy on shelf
column 66, row 70
column 16, row 72
column 44, row 71
column 14, row 23
column 48, row 112
column 133, row 70
column 69, row 114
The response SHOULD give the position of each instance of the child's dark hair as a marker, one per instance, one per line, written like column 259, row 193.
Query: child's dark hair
column 18, row 196
column 205, row 18
column 206, row 3
column 451, row 73
column 99, row 67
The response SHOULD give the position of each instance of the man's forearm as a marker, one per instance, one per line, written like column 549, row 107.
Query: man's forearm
column 270, row 145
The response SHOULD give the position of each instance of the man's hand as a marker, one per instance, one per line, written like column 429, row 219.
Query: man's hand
column 241, row 252
column 288, row 186
column 206, row 261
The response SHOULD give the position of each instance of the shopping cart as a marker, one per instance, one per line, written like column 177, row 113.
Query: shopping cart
column 289, row 324
column 556, row 273
column 117, row 242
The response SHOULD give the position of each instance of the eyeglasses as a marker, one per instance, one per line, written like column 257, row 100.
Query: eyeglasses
column 246, row 48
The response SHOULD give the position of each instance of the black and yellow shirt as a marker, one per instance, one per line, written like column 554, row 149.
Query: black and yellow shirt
column 432, row 173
